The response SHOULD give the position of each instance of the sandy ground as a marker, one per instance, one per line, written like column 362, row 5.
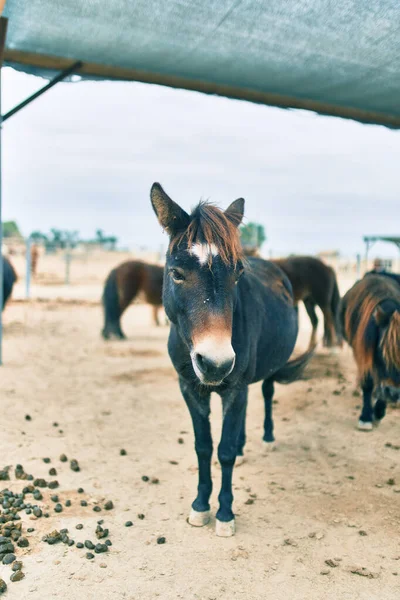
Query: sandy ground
column 300, row 506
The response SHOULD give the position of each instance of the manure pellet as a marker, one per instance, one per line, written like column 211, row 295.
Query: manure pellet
column 74, row 465
column 128, row 524
column 99, row 548
column 80, row 490
column 17, row 565
column 54, row 498
column 109, row 505
column 55, row 424
column 53, row 472
column 64, row 531
column 108, row 542
column 3, row 586
column 53, row 484
column 79, row 526
column 68, row 503
column 63, row 458
column 23, row 542
column 46, row 460
column 89, row 555
column 58, row 508
column 71, row 542
column 28, row 418
column 141, row 516
column 161, row 540
column 8, row 559
column 122, row 452
column 30, row 529
column 79, row 545
column 83, row 503
column 37, row 512
column 97, row 508
column 145, row 478
column 89, row 545
column 17, row 576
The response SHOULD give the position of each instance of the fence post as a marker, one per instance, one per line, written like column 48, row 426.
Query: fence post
column 28, row 268
column 67, row 264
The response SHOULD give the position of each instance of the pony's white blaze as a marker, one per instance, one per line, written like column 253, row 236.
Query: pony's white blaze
column 203, row 252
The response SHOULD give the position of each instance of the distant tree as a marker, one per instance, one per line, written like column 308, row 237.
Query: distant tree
column 10, row 229
column 38, row 236
column 253, row 235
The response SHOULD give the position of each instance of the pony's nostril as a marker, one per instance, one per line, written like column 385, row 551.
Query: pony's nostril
column 199, row 360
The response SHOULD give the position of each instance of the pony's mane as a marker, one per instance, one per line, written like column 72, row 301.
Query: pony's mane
column 362, row 303
column 390, row 344
column 210, row 225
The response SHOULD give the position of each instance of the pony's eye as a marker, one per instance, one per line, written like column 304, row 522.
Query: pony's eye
column 177, row 276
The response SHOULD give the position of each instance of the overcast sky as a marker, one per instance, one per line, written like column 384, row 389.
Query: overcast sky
column 84, row 155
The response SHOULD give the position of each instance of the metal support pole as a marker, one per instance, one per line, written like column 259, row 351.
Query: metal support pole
column 358, row 269
column 28, row 268
column 73, row 68
column 67, row 265
column 3, row 33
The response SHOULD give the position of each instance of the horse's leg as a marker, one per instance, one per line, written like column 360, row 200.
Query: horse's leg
column 365, row 421
column 242, row 440
column 310, row 308
column 155, row 315
column 268, row 392
column 329, row 326
column 199, row 408
column 234, row 407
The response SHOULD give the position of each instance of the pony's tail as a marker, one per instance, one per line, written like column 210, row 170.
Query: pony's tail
column 390, row 344
column 335, row 303
column 293, row 370
column 111, row 306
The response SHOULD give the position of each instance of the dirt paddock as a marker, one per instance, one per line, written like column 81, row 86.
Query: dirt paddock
column 319, row 518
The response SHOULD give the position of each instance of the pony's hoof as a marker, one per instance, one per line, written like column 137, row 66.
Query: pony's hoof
column 199, row 519
column 223, row 529
column 268, row 447
column 364, row 425
column 239, row 460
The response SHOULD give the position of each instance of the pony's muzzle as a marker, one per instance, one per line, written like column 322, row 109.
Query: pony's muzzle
column 213, row 362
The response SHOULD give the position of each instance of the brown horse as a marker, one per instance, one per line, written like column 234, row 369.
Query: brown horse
column 123, row 285
column 370, row 320
column 315, row 284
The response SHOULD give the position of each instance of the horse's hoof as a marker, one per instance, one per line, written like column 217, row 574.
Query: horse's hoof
column 364, row 425
column 239, row 460
column 225, row 529
column 268, row 447
column 199, row 519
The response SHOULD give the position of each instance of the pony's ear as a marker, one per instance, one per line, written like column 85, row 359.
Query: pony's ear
column 381, row 317
column 235, row 211
column 170, row 215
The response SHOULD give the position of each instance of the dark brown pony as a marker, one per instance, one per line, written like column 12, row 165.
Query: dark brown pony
column 370, row 321
column 122, row 286
column 315, row 284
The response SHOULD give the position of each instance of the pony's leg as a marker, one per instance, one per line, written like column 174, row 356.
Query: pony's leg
column 242, row 440
column 268, row 392
column 199, row 408
column 329, row 326
column 365, row 421
column 155, row 315
column 234, row 407
column 310, row 308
